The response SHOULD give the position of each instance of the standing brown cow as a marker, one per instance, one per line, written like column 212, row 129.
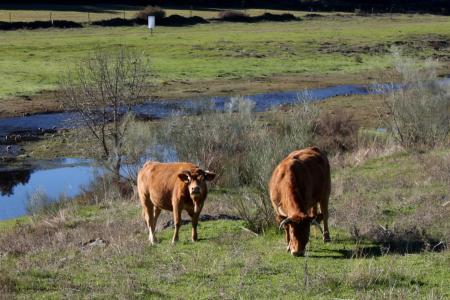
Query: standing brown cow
column 173, row 187
column 299, row 183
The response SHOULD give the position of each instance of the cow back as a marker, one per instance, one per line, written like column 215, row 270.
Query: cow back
column 299, row 181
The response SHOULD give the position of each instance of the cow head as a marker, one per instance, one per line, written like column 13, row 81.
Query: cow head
column 196, row 182
column 298, row 228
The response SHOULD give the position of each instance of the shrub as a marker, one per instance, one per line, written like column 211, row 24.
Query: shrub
column 234, row 16
column 114, row 22
column 177, row 20
column 155, row 11
column 418, row 107
column 39, row 25
column 216, row 141
column 276, row 18
column 336, row 131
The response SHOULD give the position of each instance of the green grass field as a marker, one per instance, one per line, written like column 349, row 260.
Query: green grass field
column 32, row 61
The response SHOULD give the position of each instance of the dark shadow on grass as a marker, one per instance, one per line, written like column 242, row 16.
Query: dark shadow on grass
column 203, row 218
column 377, row 250
column 359, row 252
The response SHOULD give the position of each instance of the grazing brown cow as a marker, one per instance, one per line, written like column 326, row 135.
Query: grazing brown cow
column 299, row 183
column 174, row 187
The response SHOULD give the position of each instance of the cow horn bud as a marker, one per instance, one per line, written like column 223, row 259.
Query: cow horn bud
column 314, row 222
column 284, row 222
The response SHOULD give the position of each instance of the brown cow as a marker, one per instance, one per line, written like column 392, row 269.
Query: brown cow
column 173, row 187
column 298, row 184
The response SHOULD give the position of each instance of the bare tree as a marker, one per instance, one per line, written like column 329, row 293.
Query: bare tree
column 102, row 89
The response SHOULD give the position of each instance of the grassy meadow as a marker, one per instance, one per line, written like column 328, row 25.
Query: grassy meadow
column 49, row 255
column 32, row 61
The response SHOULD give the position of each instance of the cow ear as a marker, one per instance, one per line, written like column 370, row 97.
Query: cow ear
column 185, row 176
column 209, row 175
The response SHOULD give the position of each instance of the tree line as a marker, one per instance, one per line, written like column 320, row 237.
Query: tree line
column 420, row 6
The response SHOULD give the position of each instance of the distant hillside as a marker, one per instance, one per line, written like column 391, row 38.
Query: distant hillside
column 433, row 6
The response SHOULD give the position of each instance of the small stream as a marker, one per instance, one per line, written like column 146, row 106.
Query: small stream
column 166, row 108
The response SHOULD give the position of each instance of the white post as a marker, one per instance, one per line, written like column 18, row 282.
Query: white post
column 151, row 23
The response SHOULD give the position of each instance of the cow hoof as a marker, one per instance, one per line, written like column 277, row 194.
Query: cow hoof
column 326, row 239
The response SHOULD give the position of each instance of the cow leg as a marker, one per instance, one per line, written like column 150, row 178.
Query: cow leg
column 324, row 211
column 314, row 213
column 156, row 213
column 177, row 223
column 194, row 219
column 147, row 211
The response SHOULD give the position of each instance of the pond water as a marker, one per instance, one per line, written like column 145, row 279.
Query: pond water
column 54, row 178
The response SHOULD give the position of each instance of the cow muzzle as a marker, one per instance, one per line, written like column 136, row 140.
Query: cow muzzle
column 196, row 191
column 298, row 253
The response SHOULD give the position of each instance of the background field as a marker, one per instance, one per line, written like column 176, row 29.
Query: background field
column 32, row 61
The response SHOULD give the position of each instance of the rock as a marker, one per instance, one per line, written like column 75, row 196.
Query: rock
column 98, row 242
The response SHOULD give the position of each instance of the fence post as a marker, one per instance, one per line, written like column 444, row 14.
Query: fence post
column 51, row 18
column 124, row 15
column 89, row 18
column 10, row 19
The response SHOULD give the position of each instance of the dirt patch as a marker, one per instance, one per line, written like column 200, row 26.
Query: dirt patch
column 411, row 45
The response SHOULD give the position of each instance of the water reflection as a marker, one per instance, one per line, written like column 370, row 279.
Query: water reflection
column 10, row 178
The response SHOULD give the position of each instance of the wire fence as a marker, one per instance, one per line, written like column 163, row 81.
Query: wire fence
column 81, row 17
